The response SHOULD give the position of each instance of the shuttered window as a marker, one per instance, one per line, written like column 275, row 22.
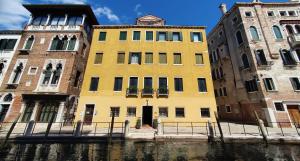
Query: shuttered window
column 162, row 58
column 98, row 58
column 199, row 58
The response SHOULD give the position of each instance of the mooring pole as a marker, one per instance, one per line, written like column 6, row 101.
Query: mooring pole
column 111, row 126
column 219, row 126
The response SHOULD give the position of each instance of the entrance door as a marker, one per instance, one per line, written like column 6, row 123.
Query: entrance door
column 88, row 115
column 147, row 115
column 294, row 113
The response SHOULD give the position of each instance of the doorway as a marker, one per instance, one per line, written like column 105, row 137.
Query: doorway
column 147, row 115
column 294, row 113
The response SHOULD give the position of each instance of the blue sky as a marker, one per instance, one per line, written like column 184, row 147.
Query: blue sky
column 175, row 12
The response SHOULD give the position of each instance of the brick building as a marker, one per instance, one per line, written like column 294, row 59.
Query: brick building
column 45, row 75
column 255, row 54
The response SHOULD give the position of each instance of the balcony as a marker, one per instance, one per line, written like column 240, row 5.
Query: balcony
column 163, row 92
column 132, row 91
column 147, row 91
column 294, row 40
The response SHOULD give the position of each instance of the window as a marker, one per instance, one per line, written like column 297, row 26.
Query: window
column 74, row 20
column 56, row 74
column 47, row 74
column 32, row 70
column 254, row 33
column 277, row 32
column 149, row 35
column 17, row 73
column 248, row 14
column 279, row 106
column 163, row 111
column 121, row 58
column 94, row 84
column 29, row 42
column 295, row 83
column 40, row 20
column 77, row 78
column 251, row 85
column 270, row 13
column 178, row 84
column 228, row 109
column 149, row 58
column 176, row 36
column 224, row 91
column 131, row 111
column 72, row 43
column 7, row 44
column 134, row 58
column 245, row 61
column 239, row 37
column 179, row 112
column 287, row 57
column 261, row 58
column 199, row 59
column 115, row 110
column 123, row 35
column 162, row 58
column 102, row 36
column 202, row 85
column 205, row 112
column 162, row 36
column 57, row 20
column 118, row 84
column 196, row 37
column 177, row 58
column 28, row 111
column 98, row 58
column 283, row 13
column 136, row 35
column 269, row 84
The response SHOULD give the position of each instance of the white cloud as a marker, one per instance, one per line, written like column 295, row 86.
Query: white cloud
column 136, row 9
column 66, row 1
column 108, row 13
column 12, row 14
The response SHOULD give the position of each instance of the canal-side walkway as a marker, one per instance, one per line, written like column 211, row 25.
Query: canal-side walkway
column 230, row 132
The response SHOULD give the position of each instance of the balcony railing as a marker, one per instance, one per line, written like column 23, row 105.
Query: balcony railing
column 294, row 40
column 132, row 91
column 147, row 91
column 163, row 92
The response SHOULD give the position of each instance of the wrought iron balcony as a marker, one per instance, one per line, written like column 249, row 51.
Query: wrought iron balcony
column 148, row 91
column 294, row 40
column 132, row 91
column 163, row 92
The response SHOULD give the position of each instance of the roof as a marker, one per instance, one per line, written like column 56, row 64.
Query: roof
column 147, row 26
column 10, row 32
column 63, row 8
column 249, row 4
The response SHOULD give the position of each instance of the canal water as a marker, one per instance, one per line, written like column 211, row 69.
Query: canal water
column 149, row 151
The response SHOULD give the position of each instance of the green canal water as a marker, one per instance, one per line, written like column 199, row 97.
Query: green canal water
column 149, row 151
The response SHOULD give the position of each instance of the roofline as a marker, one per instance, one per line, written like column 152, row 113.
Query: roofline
column 87, row 8
column 243, row 4
column 146, row 26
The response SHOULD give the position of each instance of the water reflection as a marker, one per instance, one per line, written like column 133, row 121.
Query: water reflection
column 150, row 151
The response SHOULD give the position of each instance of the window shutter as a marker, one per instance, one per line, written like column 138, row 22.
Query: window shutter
column 157, row 35
column 192, row 36
column 129, row 60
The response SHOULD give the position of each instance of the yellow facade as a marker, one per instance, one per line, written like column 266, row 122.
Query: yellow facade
column 105, row 97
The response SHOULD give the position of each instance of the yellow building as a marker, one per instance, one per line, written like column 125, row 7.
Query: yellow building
column 147, row 70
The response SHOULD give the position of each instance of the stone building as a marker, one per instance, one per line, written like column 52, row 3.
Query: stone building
column 9, row 40
column 45, row 75
column 255, row 54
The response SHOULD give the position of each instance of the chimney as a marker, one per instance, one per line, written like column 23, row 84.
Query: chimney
column 223, row 8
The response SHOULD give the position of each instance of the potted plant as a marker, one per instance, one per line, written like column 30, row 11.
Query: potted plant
column 138, row 123
column 155, row 123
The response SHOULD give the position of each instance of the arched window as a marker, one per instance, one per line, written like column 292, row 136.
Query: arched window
column 47, row 74
column 289, row 29
column 17, row 73
column 1, row 68
column 277, row 32
column 56, row 74
column 29, row 43
column 245, row 61
column 297, row 27
column 72, row 43
column 239, row 37
column 254, row 33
